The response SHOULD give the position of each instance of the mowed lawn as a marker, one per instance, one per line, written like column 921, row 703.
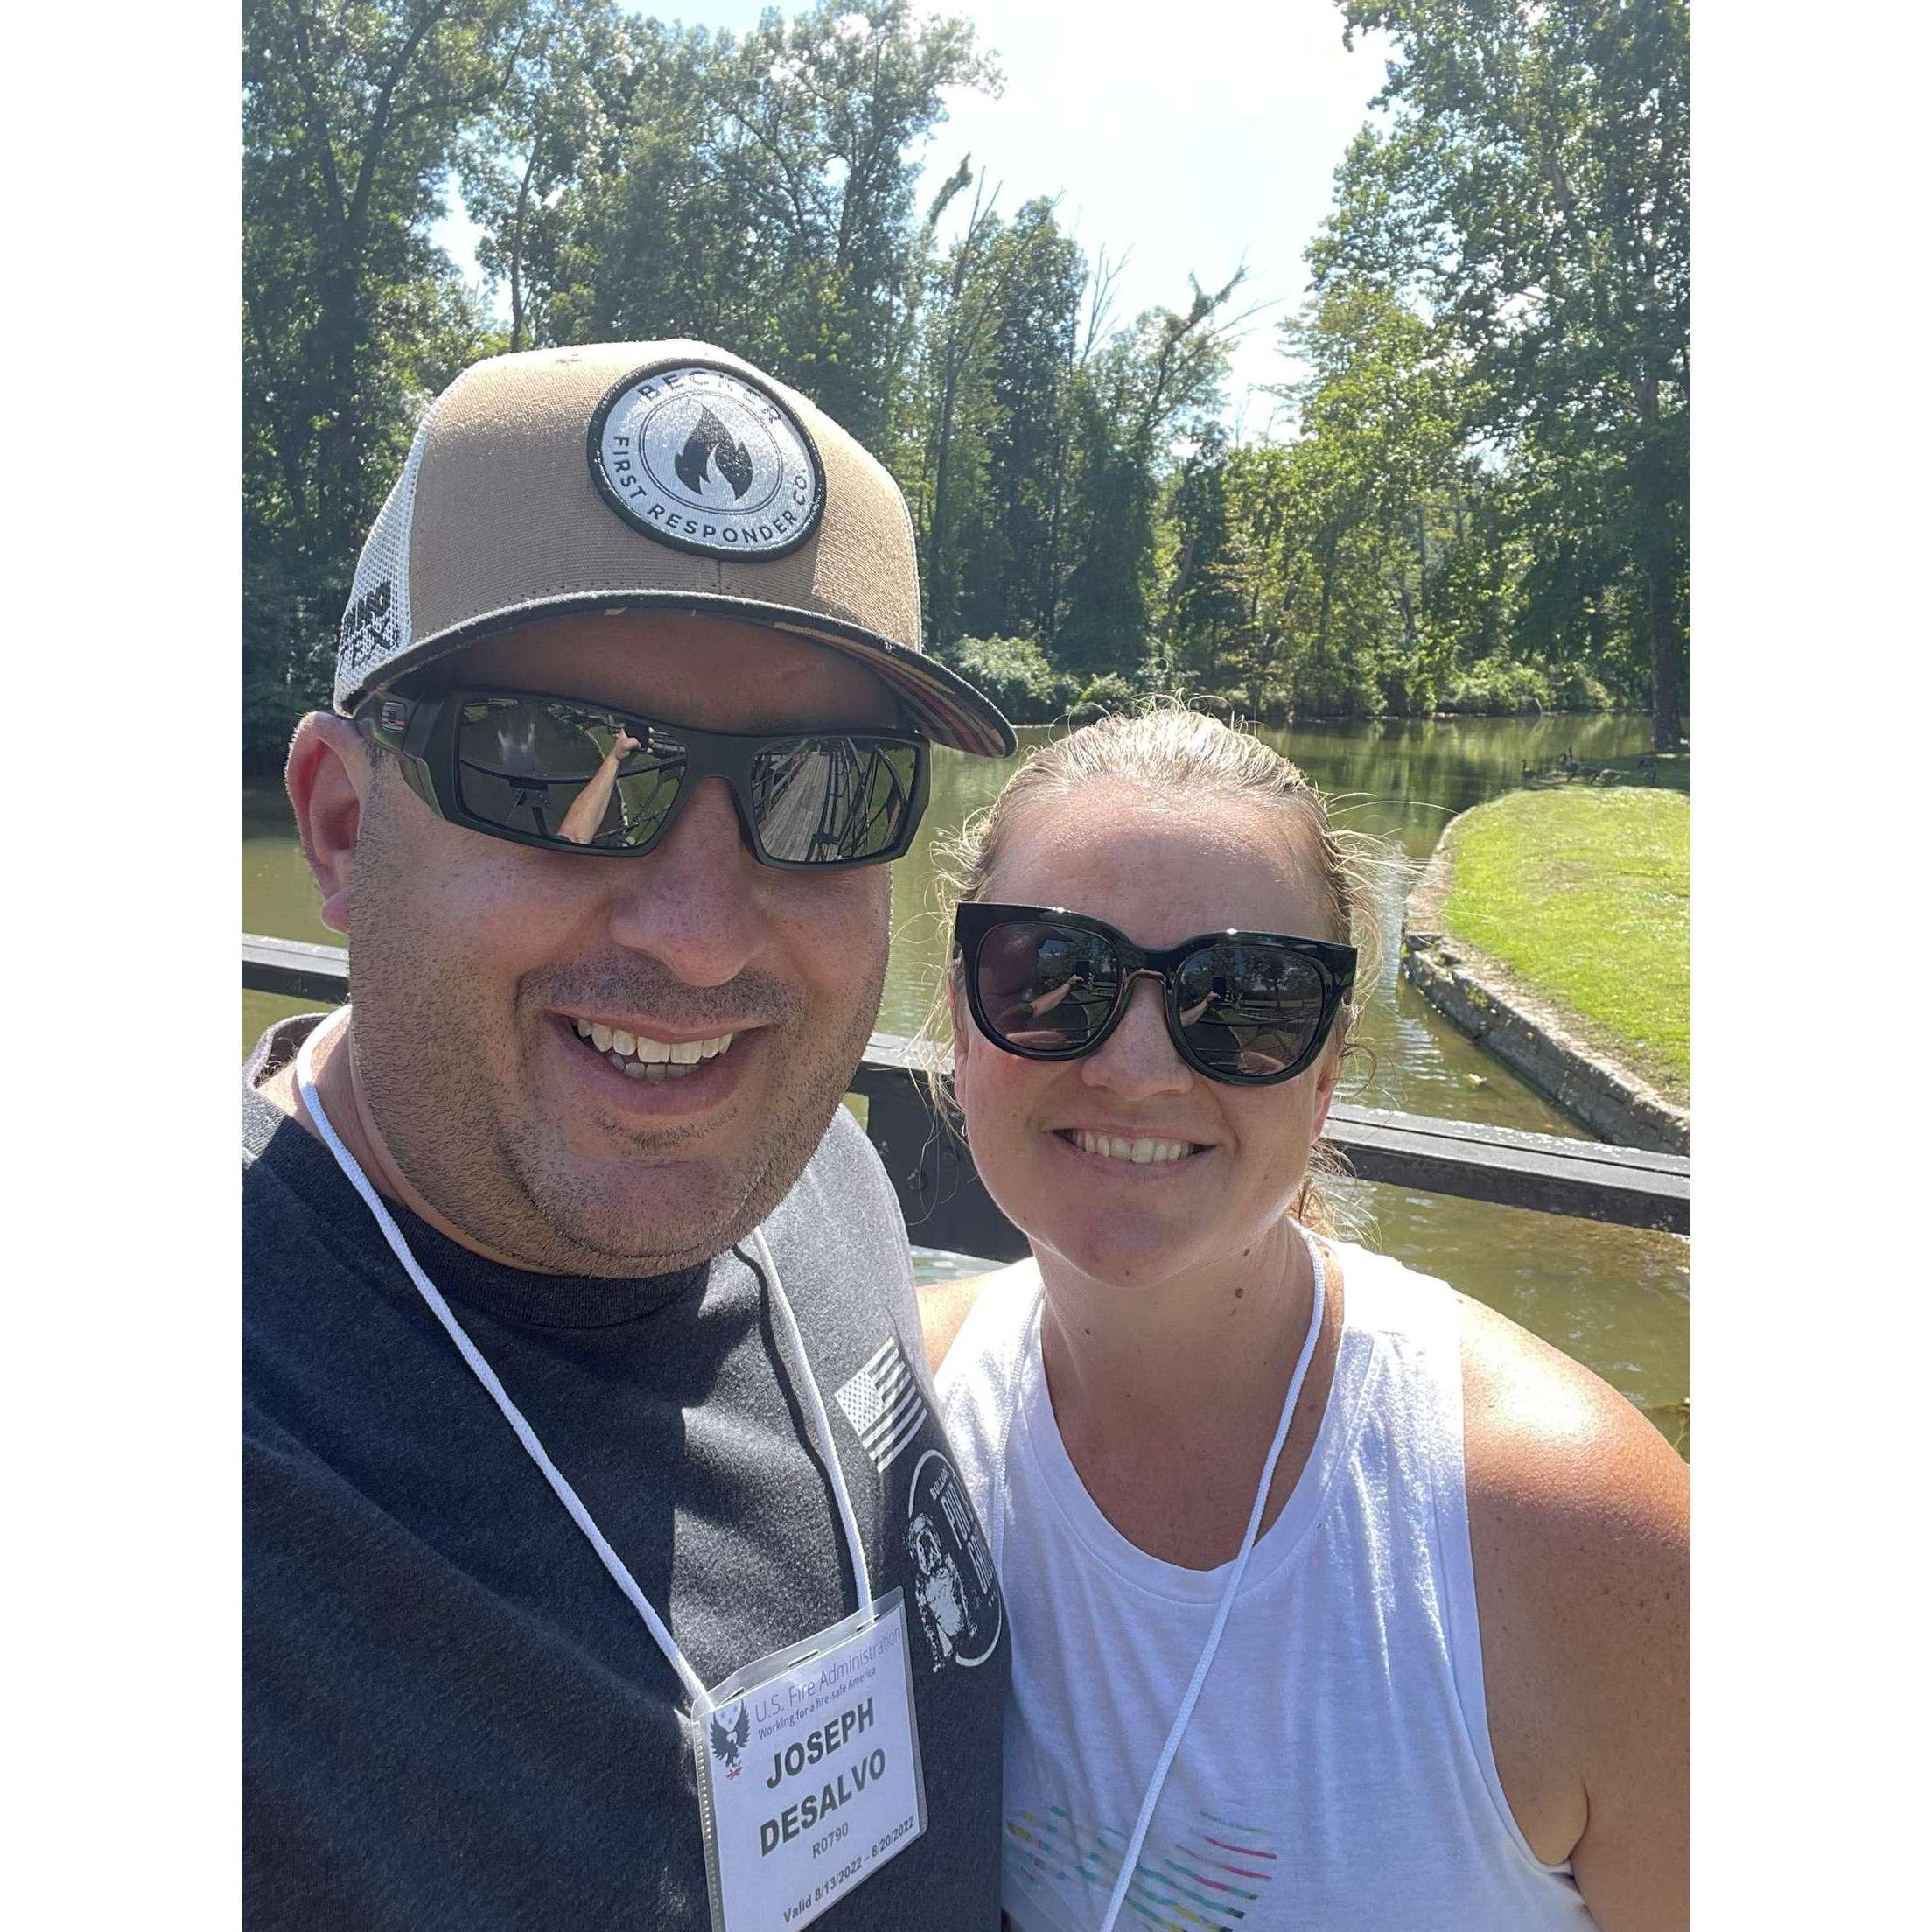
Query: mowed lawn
column 1585, row 895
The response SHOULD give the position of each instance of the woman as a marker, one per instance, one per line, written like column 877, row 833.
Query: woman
column 1337, row 1601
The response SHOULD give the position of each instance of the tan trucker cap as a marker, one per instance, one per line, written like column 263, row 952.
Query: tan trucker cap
column 646, row 476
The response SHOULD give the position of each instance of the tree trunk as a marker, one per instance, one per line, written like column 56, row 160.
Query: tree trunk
column 1666, row 654
column 936, row 599
column 1050, row 571
column 1660, row 586
column 516, row 250
column 1321, row 629
column 1182, row 574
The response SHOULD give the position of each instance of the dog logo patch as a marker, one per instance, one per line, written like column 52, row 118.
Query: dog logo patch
column 954, row 1584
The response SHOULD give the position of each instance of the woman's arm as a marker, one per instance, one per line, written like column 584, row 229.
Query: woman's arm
column 586, row 812
column 1579, row 1526
column 943, row 1307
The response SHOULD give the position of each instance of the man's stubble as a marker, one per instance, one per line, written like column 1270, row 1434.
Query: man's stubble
column 506, row 1177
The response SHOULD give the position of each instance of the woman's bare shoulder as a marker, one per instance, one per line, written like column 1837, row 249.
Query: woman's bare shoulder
column 944, row 1306
column 1580, row 1524
column 1544, row 1435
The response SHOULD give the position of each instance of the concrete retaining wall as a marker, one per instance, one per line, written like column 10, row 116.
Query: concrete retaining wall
column 1476, row 995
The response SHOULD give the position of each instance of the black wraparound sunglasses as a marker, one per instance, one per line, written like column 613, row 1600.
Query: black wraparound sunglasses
column 1246, row 1008
column 559, row 772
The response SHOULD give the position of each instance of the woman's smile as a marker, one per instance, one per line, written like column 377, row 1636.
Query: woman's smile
column 1124, row 1161
column 1129, row 1146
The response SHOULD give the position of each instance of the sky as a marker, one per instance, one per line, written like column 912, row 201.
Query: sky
column 1190, row 139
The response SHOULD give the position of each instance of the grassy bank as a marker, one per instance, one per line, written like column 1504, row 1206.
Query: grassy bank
column 1584, row 896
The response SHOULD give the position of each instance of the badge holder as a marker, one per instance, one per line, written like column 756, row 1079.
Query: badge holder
column 809, row 1773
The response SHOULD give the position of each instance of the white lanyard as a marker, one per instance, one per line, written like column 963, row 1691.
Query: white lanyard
column 1130, row 1857
column 821, row 1428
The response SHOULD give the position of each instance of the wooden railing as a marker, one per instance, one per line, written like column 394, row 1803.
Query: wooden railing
column 946, row 1206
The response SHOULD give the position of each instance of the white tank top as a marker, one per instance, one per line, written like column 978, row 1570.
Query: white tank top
column 1337, row 1772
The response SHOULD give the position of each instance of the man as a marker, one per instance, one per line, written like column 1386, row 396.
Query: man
column 571, row 1600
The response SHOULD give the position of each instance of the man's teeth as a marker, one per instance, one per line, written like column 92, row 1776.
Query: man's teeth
column 642, row 1058
column 1140, row 1151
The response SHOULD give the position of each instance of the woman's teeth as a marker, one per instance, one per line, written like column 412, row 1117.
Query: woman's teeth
column 1139, row 1151
column 641, row 1059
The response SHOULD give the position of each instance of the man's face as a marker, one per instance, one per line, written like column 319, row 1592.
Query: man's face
column 475, row 960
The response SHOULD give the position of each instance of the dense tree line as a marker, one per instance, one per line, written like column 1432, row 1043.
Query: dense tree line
column 1479, row 497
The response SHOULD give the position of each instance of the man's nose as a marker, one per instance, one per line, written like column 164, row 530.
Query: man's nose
column 693, row 904
column 1137, row 1059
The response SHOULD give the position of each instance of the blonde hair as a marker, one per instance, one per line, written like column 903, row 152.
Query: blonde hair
column 1175, row 753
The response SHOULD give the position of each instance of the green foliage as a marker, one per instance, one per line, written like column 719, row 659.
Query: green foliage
column 1409, row 690
column 537, row 160
column 1483, row 502
column 1579, row 691
column 1498, row 690
column 1103, row 696
column 352, row 114
column 756, row 192
column 1014, row 673
column 1007, row 562
column 1533, row 193
column 1153, row 384
column 1230, row 707
column 1482, row 507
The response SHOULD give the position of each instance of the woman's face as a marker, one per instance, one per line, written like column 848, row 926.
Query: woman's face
column 1161, row 874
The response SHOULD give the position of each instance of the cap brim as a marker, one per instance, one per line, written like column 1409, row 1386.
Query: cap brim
column 939, row 702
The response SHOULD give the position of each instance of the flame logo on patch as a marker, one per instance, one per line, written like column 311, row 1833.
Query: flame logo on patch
column 707, row 459
column 711, row 442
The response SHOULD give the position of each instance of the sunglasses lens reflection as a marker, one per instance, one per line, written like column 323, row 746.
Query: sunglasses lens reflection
column 818, row 800
column 521, row 763
column 1249, row 1009
column 1046, row 989
column 1242, row 1010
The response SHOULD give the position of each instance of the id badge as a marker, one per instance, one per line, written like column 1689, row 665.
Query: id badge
column 809, row 1777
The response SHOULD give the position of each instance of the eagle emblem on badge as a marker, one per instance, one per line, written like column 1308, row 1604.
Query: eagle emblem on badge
column 729, row 1740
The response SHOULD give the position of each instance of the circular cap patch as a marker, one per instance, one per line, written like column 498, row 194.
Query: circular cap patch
column 706, row 459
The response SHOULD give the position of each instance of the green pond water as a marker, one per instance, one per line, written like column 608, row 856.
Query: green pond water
column 1616, row 1298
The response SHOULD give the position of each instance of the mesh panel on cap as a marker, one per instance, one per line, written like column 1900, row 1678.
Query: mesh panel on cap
column 376, row 626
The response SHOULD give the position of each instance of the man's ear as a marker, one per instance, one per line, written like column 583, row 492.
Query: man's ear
column 329, row 778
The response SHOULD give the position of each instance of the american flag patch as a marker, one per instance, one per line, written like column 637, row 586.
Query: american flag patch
column 882, row 1401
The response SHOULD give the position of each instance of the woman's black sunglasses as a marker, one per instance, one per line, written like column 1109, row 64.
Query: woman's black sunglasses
column 1247, row 1008
column 537, row 769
